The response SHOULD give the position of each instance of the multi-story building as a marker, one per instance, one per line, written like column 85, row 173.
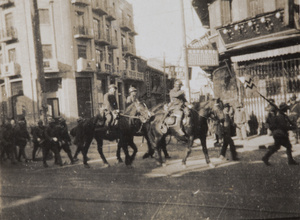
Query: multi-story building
column 259, row 39
column 86, row 45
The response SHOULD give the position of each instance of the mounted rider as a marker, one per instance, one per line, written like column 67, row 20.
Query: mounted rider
column 176, row 107
column 111, row 109
column 132, row 96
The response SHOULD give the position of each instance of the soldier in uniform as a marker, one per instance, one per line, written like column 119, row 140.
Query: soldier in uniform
column 21, row 138
column 110, row 105
column 178, row 101
column 132, row 96
column 280, row 135
column 272, row 111
column 8, row 141
column 227, row 140
column 64, row 138
column 51, row 142
column 38, row 137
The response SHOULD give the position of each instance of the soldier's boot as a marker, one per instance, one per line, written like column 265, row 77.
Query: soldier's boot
column 265, row 158
column 71, row 158
column 291, row 160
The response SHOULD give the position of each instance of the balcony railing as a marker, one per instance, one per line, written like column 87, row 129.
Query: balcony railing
column 116, row 71
column 133, row 74
column 80, row 2
column 128, row 50
column 111, row 14
column 6, row 3
column 85, row 65
column 104, row 67
column 10, row 69
column 82, row 32
column 102, row 39
column 113, row 43
column 50, row 65
column 100, row 7
column 9, row 34
column 126, row 24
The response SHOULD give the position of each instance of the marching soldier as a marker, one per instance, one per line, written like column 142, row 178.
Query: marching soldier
column 51, row 142
column 281, row 135
column 64, row 138
column 38, row 138
column 8, row 141
column 21, row 137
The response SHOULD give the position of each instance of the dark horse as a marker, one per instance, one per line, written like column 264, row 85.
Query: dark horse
column 126, row 128
column 195, row 126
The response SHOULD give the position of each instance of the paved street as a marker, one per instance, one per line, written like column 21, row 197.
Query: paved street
column 246, row 189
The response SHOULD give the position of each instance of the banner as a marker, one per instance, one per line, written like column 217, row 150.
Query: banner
column 203, row 57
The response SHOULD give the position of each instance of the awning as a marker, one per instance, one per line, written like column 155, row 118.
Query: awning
column 267, row 54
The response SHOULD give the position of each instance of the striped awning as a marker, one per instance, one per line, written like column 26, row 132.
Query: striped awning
column 267, row 54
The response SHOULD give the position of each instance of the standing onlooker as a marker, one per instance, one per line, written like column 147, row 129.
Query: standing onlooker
column 240, row 120
column 217, row 127
column 8, row 140
column 227, row 140
column 280, row 135
column 294, row 107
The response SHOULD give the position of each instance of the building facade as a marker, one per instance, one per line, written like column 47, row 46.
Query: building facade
column 259, row 39
column 86, row 45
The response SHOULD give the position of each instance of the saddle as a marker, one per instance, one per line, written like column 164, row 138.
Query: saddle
column 177, row 118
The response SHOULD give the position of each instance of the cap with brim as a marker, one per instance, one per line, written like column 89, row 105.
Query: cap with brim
column 112, row 86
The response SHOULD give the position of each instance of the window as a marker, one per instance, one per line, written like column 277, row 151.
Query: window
column 80, row 18
column 47, row 51
column 110, row 57
column 98, row 56
column 44, row 16
column 82, row 51
column 52, row 85
column 255, row 7
column 9, row 21
column 53, row 107
column 12, row 55
column 96, row 28
column 132, row 63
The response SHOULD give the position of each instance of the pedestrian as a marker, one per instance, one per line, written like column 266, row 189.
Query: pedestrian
column 240, row 121
column 272, row 111
column 280, row 129
column 51, row 142
column 21, row 138
column 78, row 134
column 64, row 138
column 38, row 138
column 227, row 131
column 217, row 127
column 8, row 140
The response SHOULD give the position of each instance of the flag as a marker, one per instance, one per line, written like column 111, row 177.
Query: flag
column 247, row 81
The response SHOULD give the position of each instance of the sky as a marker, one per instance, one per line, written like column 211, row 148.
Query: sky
column 159, row 27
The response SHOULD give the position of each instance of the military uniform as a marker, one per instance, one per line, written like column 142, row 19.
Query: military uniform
column 8, row 141
column 281, row 136
column 64, row 139
column 22, row 136
column 111, row 106
column 51, row 142
column 227, row 140
column 38, row 138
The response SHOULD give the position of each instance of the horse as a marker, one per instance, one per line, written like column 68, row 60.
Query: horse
column 128, row 125
column 294, row 116
column 195, row 126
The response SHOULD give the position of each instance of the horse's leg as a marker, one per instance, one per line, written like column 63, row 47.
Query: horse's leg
column 150, row 151
column 164, row 148
column 188, row 149
column 205, row 151
column 118, row 154
column 134, row 148
column 85, row 149
column 100, row 149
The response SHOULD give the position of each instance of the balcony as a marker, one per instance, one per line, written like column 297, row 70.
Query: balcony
column 133, row 74
column 126, row 24
column 9, row 34
column 84, row 65
column 10, row 69
column 83, row 32
column 113, row 43
column 116, row 71
column 80, row 2
column 128, row 51
column 104, row 67
column 102, row 39
column 100, row 7
column 50, row 66
column 140, row 76
column 6, row 3
column 111, row 14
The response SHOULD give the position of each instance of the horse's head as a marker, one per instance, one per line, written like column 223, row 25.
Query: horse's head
column 212, row 109
column 140, row 110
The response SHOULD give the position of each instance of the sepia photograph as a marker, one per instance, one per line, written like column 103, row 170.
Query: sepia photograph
column 149, row 109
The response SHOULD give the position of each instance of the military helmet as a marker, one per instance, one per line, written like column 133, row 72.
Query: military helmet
column 80, row 119
column 178, row 82
column 132, row 89
column 294, row 97
column 112, row 86
column 283, row 106
column 61, row 120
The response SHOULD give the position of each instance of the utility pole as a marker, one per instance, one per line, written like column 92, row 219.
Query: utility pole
column 165, row 80
column 42, row 105
column 185, row 54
